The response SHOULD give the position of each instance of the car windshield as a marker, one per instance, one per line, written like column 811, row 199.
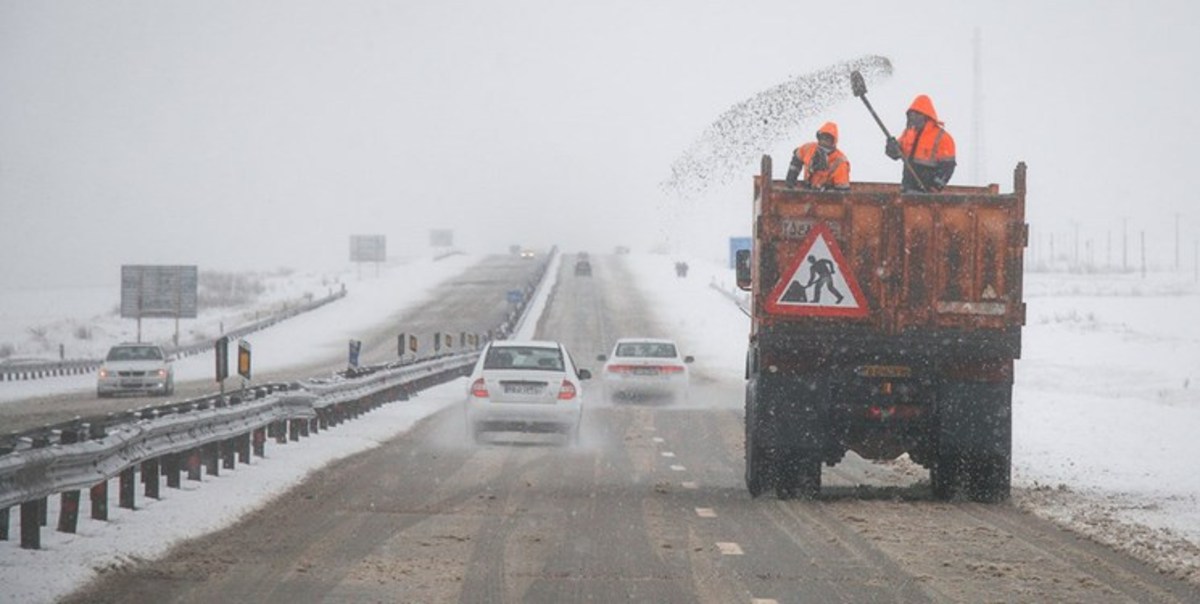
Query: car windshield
column 657, row 350
column 524, row 357
column 135, row 353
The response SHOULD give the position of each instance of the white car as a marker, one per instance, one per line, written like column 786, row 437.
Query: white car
column 525, row 386
column 135, row 368
column 645, row 368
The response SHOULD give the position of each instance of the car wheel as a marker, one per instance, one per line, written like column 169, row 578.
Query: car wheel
column 477, row 435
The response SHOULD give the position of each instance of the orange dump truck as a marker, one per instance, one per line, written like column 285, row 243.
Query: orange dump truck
column 883, row 323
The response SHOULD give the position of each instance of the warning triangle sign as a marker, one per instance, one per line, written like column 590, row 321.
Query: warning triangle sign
column 818, row 283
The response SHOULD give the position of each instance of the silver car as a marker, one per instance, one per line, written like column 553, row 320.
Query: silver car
column 136, row 368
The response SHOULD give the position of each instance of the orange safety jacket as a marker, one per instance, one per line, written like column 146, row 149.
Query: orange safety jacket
column 836, row 176
column 930, row 151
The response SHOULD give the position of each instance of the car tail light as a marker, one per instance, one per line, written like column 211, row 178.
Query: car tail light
column 671, row 368
column 479, row 389
column 567, row 391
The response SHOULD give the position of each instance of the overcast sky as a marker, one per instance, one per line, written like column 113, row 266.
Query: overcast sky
column 237, row 134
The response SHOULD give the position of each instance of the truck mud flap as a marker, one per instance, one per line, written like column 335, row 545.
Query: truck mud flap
column 790, row 412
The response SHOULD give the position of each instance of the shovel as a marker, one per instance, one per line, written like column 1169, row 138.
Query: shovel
column 859, row 86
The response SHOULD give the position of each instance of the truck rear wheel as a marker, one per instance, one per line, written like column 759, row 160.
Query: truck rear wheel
column 946, row 474
column 991, row 479
column 798, row 474
column 758, row 474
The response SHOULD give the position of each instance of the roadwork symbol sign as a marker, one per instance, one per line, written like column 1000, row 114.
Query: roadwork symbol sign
column 818, row 283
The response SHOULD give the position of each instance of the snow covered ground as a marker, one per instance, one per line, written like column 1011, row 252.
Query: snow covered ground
column 1105, row 410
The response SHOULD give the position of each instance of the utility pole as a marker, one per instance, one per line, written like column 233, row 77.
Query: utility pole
column 1108, row 253
column 1177, row 242
column 1124, row 245
column 1076, row 243
column 977, row 170
column 1143, row 234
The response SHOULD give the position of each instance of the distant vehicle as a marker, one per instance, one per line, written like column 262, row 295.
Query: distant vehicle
column 136, row 369
column 645, row 368
column 583, row 268
column 527, row 254
column 515, row 250
column 620, row 250
column 525, row 386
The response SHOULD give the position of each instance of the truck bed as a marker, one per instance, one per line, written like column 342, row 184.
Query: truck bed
column 926, row 265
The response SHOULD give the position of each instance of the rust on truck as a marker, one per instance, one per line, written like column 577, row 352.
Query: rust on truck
column 950, row 260
column 918, row 361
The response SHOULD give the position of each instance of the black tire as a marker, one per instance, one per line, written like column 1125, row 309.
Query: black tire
column 758, row 462
column 991, row 479
column 758, row 476
column 946, row 475
column 798, row 474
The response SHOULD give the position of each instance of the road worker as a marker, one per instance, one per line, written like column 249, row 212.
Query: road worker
column 824, row 166
column 928, row 147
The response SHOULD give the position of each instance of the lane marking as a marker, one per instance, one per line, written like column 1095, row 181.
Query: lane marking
column 678, row 468
column 730, row 549
column 667, row 454
column 763, row 601
column 659, row 439
column 706, row 512
column 689, row 485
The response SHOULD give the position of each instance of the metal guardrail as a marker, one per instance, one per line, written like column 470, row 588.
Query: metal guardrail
column 167, row 440
column 196, row 436
column 34, row 370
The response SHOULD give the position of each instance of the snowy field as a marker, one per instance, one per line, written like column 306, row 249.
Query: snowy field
column 1105, row 410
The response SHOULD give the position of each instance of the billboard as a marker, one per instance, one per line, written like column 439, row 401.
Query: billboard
column 368, row 248
column 158, row 291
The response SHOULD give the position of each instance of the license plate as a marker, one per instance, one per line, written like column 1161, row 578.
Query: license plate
column 523, row 389
column 645, row 371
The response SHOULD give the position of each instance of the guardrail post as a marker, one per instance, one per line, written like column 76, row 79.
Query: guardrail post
column 323, row 418
column 68, row 510
column 171, row 467
column 303, row 425
column 260, row 442
column 193, row 464
column 293, row 430
column 243, row 447
column 98, row 496
column 150, row 477
column 314, row 425
column 212, row 460
column 125, row 488
column 31, row 526
column 4, row 524
column 280, row 428
column 228, row 450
